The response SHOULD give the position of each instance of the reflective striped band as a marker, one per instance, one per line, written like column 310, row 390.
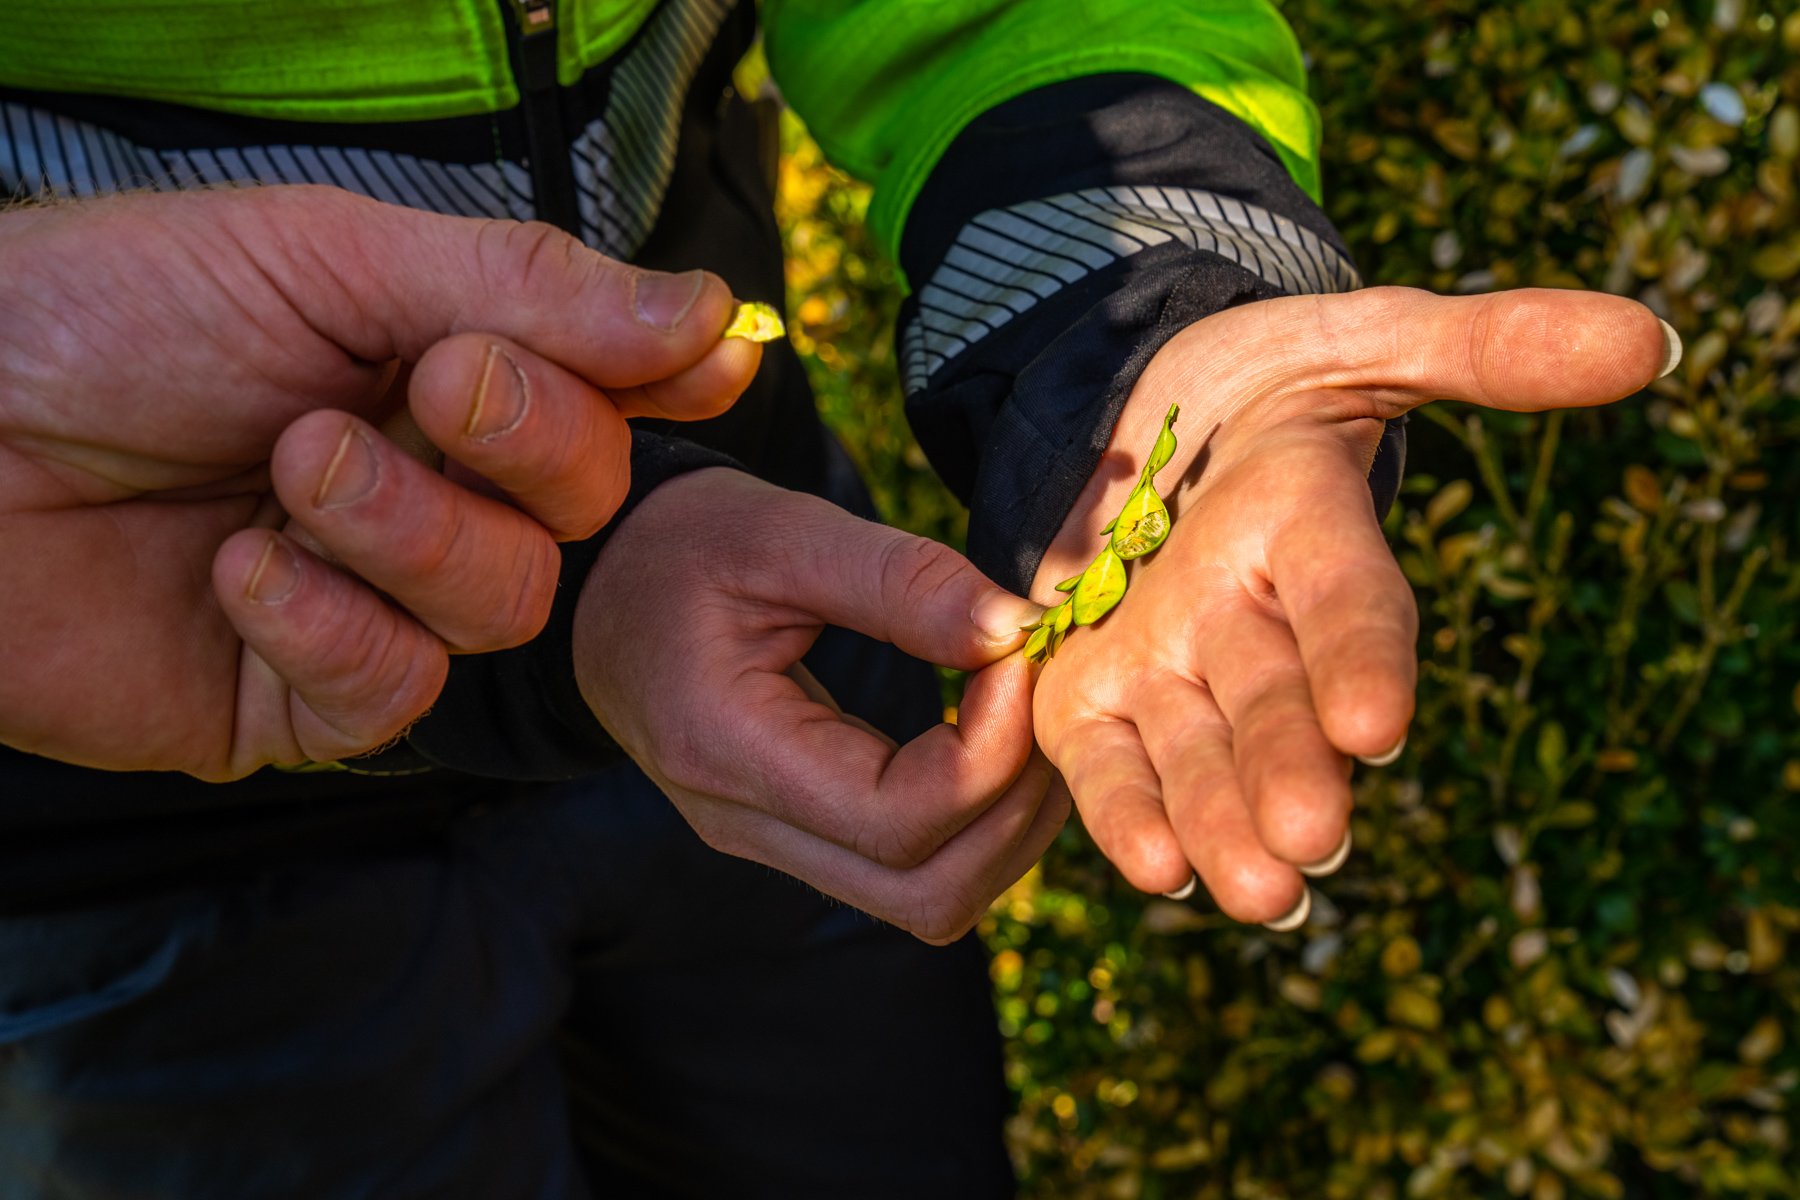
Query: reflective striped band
column 41, row 153
column 1008, row 259
column 622, row 162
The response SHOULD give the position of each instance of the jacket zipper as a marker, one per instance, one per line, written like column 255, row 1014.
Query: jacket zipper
column 531, row 41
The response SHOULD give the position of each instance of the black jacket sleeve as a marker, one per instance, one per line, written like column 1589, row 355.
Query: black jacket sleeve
column 1063, row 238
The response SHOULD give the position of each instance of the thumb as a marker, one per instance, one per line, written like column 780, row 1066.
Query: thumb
column 388, row 282
column 918, row 594
column 1526, row 351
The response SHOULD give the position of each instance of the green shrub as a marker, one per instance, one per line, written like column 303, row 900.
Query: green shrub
column 1558, row 963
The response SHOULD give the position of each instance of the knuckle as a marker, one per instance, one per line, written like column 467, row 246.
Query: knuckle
column 939, row 921
column 605, row 468
column 1486, row 341
column 895, row 846
column 915, row 571
column 611, row 485
column 577, row 482
column 376, row 681
column 527, row 592
column 685, row 754
column 528, row 258
column 434, row 544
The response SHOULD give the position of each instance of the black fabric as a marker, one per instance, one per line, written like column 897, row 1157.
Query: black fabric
column 1017, row 422
column 159, row 125
column 565, row 998
column 75, row 837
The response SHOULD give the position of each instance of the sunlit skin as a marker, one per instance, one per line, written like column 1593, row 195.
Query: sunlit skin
column 688, row 640
column 1208, row 723
column 183, row 376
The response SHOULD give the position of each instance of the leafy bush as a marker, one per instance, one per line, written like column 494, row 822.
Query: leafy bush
column 1559, row 962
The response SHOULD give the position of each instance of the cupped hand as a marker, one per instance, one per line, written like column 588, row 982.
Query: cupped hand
column 183, row 376
column 688, row 640
column 1207, row 724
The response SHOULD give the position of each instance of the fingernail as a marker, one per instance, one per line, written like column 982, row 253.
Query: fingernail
column 1383, row 760
column 1332, row 864
column 501, row 396
column 1671, row 348
column 350, row 475
column 663, row 300
column 1002, row 616
column 1185, row 890
column 1294, row 919
column 275, row 575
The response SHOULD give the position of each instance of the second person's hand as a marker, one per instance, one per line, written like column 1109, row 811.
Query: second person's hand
column 688, row 640
column 182, row 376
column 1207, row 724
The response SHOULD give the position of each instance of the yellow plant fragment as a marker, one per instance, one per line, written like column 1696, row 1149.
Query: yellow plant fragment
column 756, row 322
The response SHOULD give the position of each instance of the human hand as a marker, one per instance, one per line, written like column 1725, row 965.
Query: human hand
column 688, row 639
column 1206, row 723
column 181, row 374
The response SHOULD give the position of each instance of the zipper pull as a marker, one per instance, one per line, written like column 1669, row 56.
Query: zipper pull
column 535, row 21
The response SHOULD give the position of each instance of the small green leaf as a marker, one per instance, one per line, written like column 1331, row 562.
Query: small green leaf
column 1102, row 586
column 1108, row 527
column 1068, row 585
column 1037, row 643
column 1143, row 525
column 1164, row 449
column 1061, row 618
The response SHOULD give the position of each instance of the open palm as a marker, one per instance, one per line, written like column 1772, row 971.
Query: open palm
column 1207, row 724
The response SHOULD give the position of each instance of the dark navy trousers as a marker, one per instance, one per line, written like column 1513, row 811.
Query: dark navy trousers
column 565, row 995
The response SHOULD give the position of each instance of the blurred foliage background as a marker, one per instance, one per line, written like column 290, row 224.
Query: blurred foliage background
column 1562, row 961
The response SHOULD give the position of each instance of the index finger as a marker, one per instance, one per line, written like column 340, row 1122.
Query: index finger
column 813, row 770
column 940, row 899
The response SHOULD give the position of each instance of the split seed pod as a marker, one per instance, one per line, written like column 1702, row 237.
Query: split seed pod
column 756, row 322
column 1143, row 524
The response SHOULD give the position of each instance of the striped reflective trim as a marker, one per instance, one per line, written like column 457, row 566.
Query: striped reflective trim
column 641, row 126
column 45, row 154
column 1006, row 260
column 622, row 162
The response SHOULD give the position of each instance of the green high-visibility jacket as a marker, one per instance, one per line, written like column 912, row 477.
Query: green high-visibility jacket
column 884, row 85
